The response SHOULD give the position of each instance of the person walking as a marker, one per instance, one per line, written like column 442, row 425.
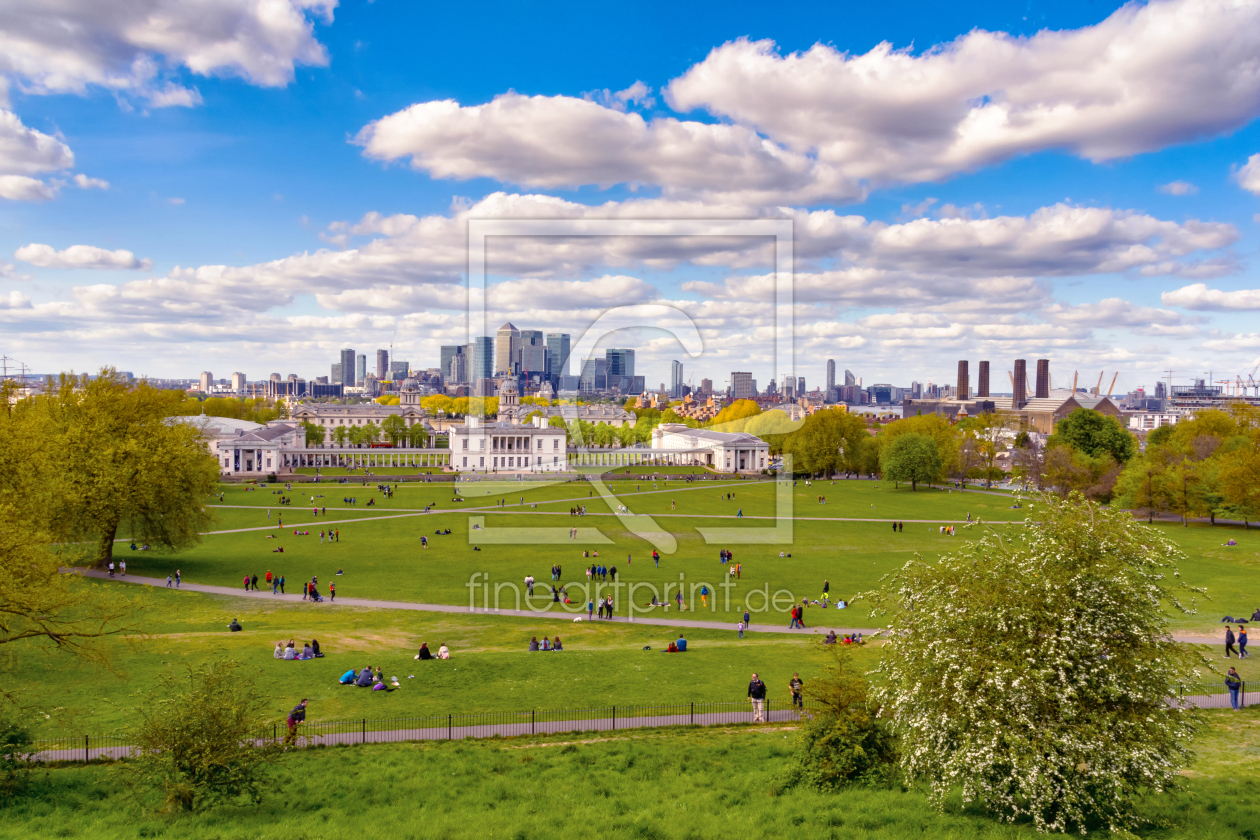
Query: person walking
column 1233, row 682
column 122, row 567
column 590, row 609
column 740, row 627
column 177, row 578
column 281, row 584
column 704, row 595
column 794, row 685
column 111, row 568
column 253, row 581
column 757, row 696
column 298, row 715
column 332, row 592
column 1242, row 636
column 746, row 619
column 795, row 623
column 169, row 580
column 1229, row 642
column 656, row 558
column 246, row 583
column 337, row 534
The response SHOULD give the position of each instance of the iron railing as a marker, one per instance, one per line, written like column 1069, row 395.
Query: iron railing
column 454, row 725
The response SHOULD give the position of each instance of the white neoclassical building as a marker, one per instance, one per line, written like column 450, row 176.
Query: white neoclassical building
column 721, row 451
column 508, row 444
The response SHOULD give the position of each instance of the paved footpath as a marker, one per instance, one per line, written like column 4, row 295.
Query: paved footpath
column 566, row 615
column 563, row 615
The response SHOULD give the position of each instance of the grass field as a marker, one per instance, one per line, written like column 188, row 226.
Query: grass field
column 646, row 784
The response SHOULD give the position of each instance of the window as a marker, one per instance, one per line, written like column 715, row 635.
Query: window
column 483, row 462
column 555, row 460
column 465, row 449
column 540, row 444
column 555, row 445
column 465, row 462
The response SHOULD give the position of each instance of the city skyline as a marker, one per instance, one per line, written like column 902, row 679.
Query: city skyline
column 968, row 202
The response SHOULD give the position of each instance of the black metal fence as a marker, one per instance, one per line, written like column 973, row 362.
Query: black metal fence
column 453, row 725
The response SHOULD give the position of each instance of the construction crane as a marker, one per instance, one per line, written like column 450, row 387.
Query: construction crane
column 1113, row 384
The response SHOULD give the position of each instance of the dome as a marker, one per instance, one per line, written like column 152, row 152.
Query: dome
column 508, row 387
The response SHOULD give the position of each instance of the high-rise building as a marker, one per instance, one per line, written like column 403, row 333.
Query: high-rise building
column 620, row 362
column 347, row 367
column 1020, row 389
column 360, row 368
column 1161, row 390
column 456, row 371
column 706, row 387
column 789, row 387
column 382, row 364
column 963, row 389
column 398, row 370
column 238, row 382
column 558, row 354
column 675, row 379
column 831, row 374
column 982, row 383
column 533, row 356
column 741, row 385
column 507, row 350
column 1043, row 378
column 849, row 379
column 800, row 387
column 207, row 381
column 481, row 358
column 334, row 377
column 594, row 375
column 448, row 352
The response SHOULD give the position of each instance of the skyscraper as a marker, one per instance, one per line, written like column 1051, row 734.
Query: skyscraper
column 360, row 368
column 347, row 368
column 533, row 355
column 382, row 364
column 558, row 354
column 507, row 349
column 741, row 385
column 238, row 382
column 675, row 379
column 334, row 377
column 800, row 387
column 831, row 374
column 481, row 358
column 1043, row 378
column 849, row 378
column 594, row 375
column 448, row 352
column 620, row 362
column 789, row 387
column 963, row 391
column 207, row 380
column 982, row 383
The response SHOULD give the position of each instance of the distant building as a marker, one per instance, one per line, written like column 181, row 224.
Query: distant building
column 620, row 362
column 207, row 382
column 382, row 364
column 706, row 387
column 558, row 354
column 675, row 379
column 347, row 367
column 507, row 350
column 360, row 368
column 741, row 385
column 239, row 383
column 534, row 364
column 849, row 378
column 722, row 451
column 831, row 374
column 334, row 374
column 481, row 358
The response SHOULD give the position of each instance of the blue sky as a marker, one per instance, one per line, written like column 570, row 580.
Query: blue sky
column 240, row 190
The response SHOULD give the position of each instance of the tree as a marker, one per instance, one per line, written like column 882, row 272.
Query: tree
column 992, row 431
column 196, row 740
column 842, row 741
column 1085, row 430
column 1240, row 484
column 395, row 429
column 911, row 457
column 371, row 433
column 1036, row 670
column 827, row 442
column 340, row 434
column 1144, row 484
column 417, row 435
column 117, row 464
column 314, row 434
column 738, row 410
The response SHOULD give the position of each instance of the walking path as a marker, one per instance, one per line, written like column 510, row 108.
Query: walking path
column 564, row 615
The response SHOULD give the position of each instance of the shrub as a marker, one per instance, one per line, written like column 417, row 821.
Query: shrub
column 195, row 744
column 842, row 742
column 16, row 747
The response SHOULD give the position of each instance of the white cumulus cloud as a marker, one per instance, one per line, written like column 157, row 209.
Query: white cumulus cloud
column 1178, row 188
column 86, row 183
column 130, row 45
column 1248, row 175
column 79, row 256
column 1199, row 296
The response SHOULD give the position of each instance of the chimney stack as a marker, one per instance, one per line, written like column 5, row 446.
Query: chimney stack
column 1020, row 385
column 964, row 383
column 982, row 386
column 1043, row 378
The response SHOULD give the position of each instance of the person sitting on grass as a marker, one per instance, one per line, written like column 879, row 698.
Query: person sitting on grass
column 315, row 651
column 279, row 652
column 831, row 638
column 546, row 644
column 443, row 651
column 533, row 644
column 235, row 626
column 364, row 680
column 672, row 648
column 556, row 644
column 290, row 653
column 424, row 651
column 681, row 643
column 347, row 678
column 307, row 653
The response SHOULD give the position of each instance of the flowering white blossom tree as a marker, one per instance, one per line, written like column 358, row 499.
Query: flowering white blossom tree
column 1033, row 668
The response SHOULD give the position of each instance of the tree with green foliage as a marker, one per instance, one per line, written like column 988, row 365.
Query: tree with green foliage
column 340, row 435
column 992, row 433
column 737, row 410
column 314, row 434
column 939, row 429
column 826, row 443
column 117, row 464
column 418, row 436
column 1088, row 431
column 1035, row 670
column 841, row 740
column 1145, row 482
column 911, row 457
column 395, row 429
column 1240, row 484
column 195, row 743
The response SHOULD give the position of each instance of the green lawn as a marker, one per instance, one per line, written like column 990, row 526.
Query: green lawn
column 720, row 784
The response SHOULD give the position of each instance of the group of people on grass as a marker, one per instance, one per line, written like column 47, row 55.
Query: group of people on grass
column 369, row 677
column 545, row 644
column 290, row 652
column 425, row 654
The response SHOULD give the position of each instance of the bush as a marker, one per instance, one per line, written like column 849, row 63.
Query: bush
column 196, row 743
column 16, row 747
column 842, row 742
